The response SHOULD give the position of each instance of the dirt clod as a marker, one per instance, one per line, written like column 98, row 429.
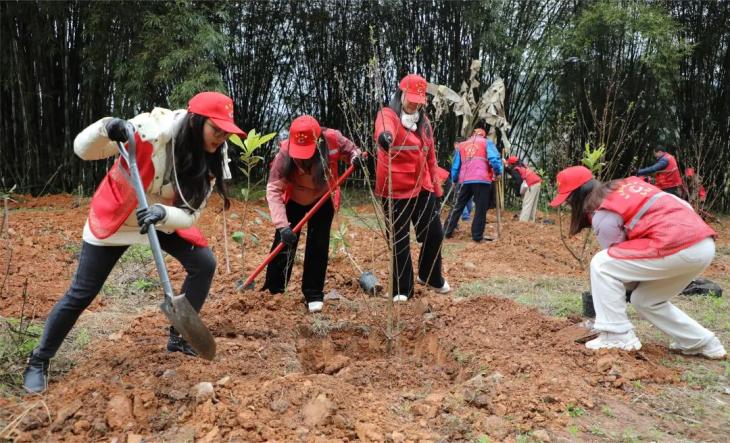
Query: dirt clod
column 318, row 410
column 119, row 412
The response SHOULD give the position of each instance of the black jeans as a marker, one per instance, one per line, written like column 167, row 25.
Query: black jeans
column 423, row 212
column 316, row 253
column 95, row 264
column 482, row 198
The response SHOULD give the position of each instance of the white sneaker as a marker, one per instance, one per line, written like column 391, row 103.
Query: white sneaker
column 626, row 341
column 400, row 298
column 445, row 289
column 315, row 306
column 712, row 349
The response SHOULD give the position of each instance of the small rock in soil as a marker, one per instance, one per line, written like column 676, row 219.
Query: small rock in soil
column 134, row 438
column 176, row 394
column 318, row 410
column 397, row 437
column 279, row 405
column 223, row 381
column 332, row 295
column 470, row 265
column 169, row 373
column 203, row 391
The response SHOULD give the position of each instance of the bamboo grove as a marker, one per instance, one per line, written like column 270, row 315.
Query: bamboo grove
column 620, row 74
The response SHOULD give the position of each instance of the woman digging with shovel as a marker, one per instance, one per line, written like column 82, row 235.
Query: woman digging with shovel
column 304, row 170
column 181, row 158
column 652, row 241
column 406, row 180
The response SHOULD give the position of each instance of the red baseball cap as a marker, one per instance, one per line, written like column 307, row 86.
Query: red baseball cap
column 512, row 160
column 570, row 179
column 218, row 108
column 303, row 135
column 480, row 132
column 415, row 88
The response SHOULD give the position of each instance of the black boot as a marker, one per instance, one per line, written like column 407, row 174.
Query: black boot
column 35, row 376
column 178, row 344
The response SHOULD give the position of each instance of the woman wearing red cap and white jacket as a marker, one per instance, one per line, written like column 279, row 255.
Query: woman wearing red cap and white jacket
column 407, row 176
column 527, row 183
column 654, row 243
column 300, row 175
column 181, row 157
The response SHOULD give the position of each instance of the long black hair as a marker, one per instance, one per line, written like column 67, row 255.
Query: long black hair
column 423, row 126
column 318, row 164
column 194, row 165
column 577, row 200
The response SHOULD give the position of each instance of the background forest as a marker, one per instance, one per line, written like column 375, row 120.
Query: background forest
column 624, row 75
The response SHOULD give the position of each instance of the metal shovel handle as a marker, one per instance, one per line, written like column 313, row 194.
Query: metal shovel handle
column 129, row 154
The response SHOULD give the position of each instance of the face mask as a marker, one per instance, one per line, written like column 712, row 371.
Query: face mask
column 410, row 121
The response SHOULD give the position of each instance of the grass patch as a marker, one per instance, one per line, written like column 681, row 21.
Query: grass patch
column 553, row 296
column 17, row 339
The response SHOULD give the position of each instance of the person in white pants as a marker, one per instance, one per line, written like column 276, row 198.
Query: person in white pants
column 654, row 243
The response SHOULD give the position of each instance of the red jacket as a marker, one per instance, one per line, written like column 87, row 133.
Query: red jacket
column 657, row 224
column 300, row 186
column 528, row 175
column 412, row 158
column 669, row 177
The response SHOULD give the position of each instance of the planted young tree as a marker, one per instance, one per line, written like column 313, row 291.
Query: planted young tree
column 249, row 159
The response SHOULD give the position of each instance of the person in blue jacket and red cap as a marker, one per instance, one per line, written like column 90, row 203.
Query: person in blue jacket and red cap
column 476, row 165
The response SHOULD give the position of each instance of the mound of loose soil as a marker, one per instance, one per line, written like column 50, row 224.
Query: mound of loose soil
column 443, row 369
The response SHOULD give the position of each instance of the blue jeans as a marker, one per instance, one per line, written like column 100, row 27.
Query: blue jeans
column 467, row 210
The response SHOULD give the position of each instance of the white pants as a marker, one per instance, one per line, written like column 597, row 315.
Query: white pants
column 658, row 281
column 529, row 203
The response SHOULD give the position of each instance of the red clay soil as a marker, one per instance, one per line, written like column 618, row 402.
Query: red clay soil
column 453, row 369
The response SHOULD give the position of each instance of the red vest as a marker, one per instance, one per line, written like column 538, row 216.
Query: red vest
column 474, row 164
column 407, row 158
column 669, row 177
column 657, row 224
column 115, row 199
column 333, row 156
column 528, row 175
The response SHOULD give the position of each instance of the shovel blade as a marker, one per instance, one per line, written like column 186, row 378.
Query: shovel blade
column 369, row 283
column 242, row 286
column 186, row 321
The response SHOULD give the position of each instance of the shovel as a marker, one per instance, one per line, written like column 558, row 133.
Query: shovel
column 177, row 308
column 248, row 284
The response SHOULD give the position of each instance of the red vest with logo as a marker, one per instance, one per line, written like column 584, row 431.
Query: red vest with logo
column 657, row 224
column 474, row 164
column 115, row 198
column 528, row 175
column 333, row 156
column 669, row 177
column 407, row 160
